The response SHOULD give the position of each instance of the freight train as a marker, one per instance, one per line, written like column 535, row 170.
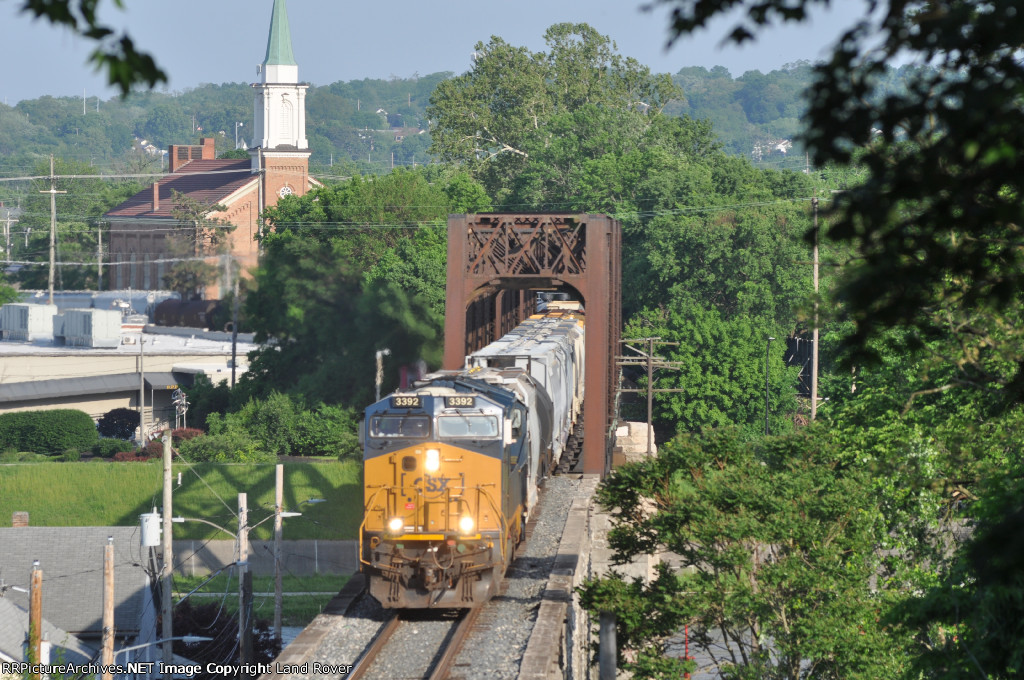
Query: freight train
column 451, row 467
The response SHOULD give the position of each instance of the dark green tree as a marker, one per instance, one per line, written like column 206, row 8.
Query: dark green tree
column 198, row 238
column 348, row 270
column 120, row 423
column 937, row 215
column 777, row 544
column 485, row 118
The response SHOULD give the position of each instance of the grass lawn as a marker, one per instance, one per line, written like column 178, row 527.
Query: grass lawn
column 115, row 494
column 296, row 610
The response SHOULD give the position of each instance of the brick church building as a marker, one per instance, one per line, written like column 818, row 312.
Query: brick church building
column 278, row 166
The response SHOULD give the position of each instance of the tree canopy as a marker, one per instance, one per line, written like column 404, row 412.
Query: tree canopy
column 486, row 117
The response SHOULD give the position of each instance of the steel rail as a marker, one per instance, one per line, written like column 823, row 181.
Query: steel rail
column 453, row 646
column 362, row 666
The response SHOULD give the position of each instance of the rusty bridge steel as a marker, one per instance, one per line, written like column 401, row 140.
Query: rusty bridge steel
column 496, row 259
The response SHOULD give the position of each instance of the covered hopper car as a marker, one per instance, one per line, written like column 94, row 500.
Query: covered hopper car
column 452, row 465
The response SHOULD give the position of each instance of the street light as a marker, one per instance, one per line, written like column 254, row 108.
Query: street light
column 278, row 538
column 237, row 125
column 766, row 349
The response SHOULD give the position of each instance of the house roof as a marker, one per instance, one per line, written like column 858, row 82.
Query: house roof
column 206, row 181
column 76, row 387
column 68, row 649
column 69, row 387
column 72, row 562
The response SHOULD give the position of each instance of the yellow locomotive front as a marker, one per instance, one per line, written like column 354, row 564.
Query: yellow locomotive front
column 441, row 496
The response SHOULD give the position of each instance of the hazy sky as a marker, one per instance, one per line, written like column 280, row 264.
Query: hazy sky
column 217, row 41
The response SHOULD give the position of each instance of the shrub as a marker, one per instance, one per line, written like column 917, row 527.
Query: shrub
column 105, row 448
column 327, row 431
column 224, row 448
column 282, row 427
column 48, row 432
column 71, row 456
column 181, row 434
column 12, row 456
column 136, row 456
column 120, row 423
column 206, row 398
column 153, row 449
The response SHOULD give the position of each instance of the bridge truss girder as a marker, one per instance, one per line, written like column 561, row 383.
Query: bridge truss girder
column 496, row 259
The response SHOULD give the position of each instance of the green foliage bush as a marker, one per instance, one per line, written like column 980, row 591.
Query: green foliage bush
column 205, row 398
column 12, row 456
column 49, row 432
column 276, row 426
column 106, row 448
column 281, row 427
column 71, row 455
column 224, row 448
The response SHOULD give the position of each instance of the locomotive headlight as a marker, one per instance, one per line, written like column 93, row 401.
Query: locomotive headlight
column 466, row 524
column 396, row 524
column 433, row 461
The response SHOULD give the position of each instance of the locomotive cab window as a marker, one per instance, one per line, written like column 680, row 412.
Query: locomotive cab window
column 517, row 424
column 384, row 427
column 476, row 426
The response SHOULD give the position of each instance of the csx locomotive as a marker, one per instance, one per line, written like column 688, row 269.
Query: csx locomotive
column 451, row 466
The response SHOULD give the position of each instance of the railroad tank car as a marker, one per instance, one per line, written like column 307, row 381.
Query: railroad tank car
column 451, row 466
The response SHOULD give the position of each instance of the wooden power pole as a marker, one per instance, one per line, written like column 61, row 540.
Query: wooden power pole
column 166, row 569
column 35, row 622
column 278, row 531
column 650, row 362
column 244, row 638
column 53, row 223
column 108, row 608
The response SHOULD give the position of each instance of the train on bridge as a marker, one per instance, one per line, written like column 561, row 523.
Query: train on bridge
column 452, row 465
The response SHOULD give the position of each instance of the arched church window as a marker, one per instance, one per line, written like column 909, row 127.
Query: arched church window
column 286, row 118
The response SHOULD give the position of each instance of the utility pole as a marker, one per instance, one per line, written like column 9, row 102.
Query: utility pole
column 108, row 608
column 99, row 256
column 278, row 531
column 650, row 362
column 766, row 354
column 53, row 223
column 814, row 338
column 142, row 390
column 7, row 235
column 244, row 639
column 166, row 575
column 35, row 621
column 234, row 332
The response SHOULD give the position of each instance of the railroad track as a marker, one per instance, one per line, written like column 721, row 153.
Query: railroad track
column 439, row 666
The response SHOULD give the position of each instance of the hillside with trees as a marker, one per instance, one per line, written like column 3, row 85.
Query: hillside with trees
column 358, row 125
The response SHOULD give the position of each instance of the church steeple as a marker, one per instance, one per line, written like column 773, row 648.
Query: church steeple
column 279, row 47
column 279, row 120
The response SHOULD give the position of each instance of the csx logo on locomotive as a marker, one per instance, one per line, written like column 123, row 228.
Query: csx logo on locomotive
column 434, row 484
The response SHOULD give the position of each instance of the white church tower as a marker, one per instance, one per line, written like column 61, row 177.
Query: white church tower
column 279, row 120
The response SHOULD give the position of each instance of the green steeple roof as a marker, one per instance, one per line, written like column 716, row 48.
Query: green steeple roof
column 279, row 45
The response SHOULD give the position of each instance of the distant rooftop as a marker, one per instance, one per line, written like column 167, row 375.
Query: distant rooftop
column 206, row 181
column 159, row 340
